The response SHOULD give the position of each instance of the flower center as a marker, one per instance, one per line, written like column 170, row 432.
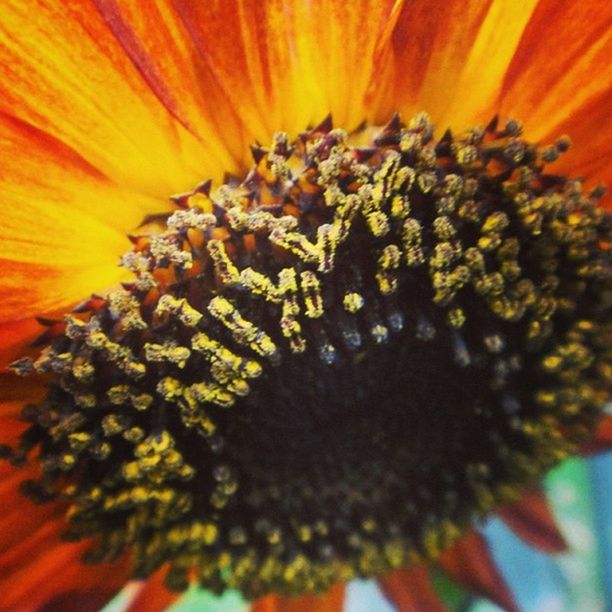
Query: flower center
column 333, row 367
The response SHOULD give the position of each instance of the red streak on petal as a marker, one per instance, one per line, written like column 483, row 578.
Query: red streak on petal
column 50, row 145
column 111, row 13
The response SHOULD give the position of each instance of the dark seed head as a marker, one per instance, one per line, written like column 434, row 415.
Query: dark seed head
column 334, row 367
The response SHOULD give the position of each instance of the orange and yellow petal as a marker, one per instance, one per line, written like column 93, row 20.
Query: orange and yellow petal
column 429, row 43
column 63, row 71
column 562, row 62
column 286, row 64
column 560, row 81
column 63, row 229
column 99, row 97
column 478, row 81
column 159, row 45
column 450, row 58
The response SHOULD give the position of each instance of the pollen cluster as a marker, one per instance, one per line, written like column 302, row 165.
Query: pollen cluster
column 333, row 367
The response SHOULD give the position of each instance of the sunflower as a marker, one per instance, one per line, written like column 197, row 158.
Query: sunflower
column 363, row 308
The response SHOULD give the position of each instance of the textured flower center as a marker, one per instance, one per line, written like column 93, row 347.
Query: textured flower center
column 333, row 367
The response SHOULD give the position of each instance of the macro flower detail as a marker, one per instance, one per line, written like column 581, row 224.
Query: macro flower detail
column 254, row 403
column 343, row 352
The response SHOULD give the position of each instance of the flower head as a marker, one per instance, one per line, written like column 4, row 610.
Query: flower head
column 334, row 364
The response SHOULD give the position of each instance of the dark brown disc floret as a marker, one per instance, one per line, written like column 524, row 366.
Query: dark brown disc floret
column 334, row 367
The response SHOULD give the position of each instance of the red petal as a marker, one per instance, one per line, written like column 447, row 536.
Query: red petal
column 153, row 596
column 332, row 601
column 470, row 563
column 602, row 441
column 83, row 600
column 47, row 572
column 410, row 590
column 532, row 519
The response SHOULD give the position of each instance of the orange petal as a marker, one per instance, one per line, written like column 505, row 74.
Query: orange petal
column 470, row 563
column 602, row 440
column 532, row 519
column 19, row 524
column 29, row 289
column 21, row 552
column 152, row 595
column 560, row 83
column 285, row 64
column 63, row 71
column 332, row 601
column 561, row 64
column 35, row 567
column 410, row 590
column 19, row 517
